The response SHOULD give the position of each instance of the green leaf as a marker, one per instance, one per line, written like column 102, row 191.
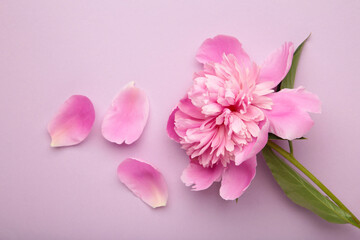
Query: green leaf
column 274, row 137
column 301, row 192
column 289, row 80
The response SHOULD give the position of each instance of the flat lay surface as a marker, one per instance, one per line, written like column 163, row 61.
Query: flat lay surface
column 50, row 50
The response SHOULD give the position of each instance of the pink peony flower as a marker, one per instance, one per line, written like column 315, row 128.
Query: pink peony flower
column 225, row 117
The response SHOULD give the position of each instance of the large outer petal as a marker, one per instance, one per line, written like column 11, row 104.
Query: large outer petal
column 277, row 65
column 289, row 118
column 127, row 116
column 73, row 122
column 212, row 49
column 236, row 179
column 171, row 126
column 253, row 148
column 201, row 178
column 144, row 181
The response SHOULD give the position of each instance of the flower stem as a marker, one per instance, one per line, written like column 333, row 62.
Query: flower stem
column 298, row 165
column 291, row 148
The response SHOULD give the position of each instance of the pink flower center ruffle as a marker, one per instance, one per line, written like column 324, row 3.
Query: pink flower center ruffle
column 226, row 110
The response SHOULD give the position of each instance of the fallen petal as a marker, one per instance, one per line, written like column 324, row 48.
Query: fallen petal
column 127, row 116
column 144, row 181
column 73, row 122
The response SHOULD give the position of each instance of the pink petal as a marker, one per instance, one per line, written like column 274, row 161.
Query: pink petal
column 212, row 49
column 73, row 122
column 171, row 125
column 289, row 118
column 144, row 181
column 199, row 177
column 186, row 106
column 253, row 148
column 127, row 116
column 236, row 179
column 277, row 65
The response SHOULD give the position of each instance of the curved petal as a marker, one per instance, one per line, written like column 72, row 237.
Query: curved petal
column 171, row 125
column 254, row 147
column 73, row 122
column 212, row 50
column 127, row 116
column 186, row 106
column 144, row 181
column 277, row 65
column 201, row 178
column 236, row 179
column 289, row 118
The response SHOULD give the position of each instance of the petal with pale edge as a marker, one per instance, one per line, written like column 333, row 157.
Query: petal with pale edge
column 251, row 149
column 236, row 179
column 144, row 181
column 289, row 117
column 212, row 50
column 199, row 177
column 277, row 65
column 127, row 116
column 171, row 125
column 73, row 122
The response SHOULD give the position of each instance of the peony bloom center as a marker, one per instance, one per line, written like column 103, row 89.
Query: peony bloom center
column 223, row 111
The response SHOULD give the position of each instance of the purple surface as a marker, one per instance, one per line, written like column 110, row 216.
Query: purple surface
column 50, row 50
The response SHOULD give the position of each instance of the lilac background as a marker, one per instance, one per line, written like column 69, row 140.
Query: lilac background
column 50, row 50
